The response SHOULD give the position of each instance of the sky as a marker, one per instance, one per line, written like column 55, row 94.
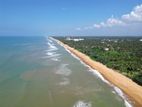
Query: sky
column 71, row 17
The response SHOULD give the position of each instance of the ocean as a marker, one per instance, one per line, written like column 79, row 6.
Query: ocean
column 38, row 72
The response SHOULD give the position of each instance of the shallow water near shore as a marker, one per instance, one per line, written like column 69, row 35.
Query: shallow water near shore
column 38, row 72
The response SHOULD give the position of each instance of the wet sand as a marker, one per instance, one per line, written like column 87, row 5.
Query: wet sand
column 130, row 88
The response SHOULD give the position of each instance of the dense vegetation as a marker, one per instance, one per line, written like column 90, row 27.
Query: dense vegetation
column 123, row 54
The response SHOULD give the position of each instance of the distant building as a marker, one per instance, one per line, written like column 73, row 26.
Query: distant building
column 68, row 38
column 78, row 39
column 106, row 49
column 74, row 39
column 115, row 41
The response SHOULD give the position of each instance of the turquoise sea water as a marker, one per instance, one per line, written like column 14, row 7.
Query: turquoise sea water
column 37, row 72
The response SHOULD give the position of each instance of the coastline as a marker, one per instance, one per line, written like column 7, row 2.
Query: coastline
column 130, row 88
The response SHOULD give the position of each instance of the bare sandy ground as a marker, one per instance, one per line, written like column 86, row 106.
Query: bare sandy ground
column 130, row 88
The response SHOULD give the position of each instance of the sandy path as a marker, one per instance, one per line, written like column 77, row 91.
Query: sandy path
column 133, row 90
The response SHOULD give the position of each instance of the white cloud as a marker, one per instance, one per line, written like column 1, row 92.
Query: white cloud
column 78, row 28
column 110, row 23
column 96, row 25
column 134, row 16
column 114, row 22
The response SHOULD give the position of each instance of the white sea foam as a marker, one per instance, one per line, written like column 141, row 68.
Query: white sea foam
column 53, row 55
column 55, row 59
column 90, row 69
column 50, row 53
column 127, row 104
column 85, row 64
column 117, row 90
column 52, row 46
column 120, row 93
column 82, row 104
column 64, row 70
column 53, row 39
column 72, row 54
column 65, row 81
column 113, row 92
column 95, row 72
column 50, row 41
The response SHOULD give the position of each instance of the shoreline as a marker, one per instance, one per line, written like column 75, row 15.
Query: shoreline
column 130, row 88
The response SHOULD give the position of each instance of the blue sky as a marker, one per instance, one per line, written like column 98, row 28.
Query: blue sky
column 70, row 17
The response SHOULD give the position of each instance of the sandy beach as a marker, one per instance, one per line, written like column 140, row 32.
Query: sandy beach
column 130, row 88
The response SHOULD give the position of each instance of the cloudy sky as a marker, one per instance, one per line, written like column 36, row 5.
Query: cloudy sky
column 71, row 17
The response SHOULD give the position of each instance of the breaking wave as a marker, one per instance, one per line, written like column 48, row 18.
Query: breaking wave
column 120, row 93
column 117, row 90
column 51, row 52
column 95, row 72
column 51, row 47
